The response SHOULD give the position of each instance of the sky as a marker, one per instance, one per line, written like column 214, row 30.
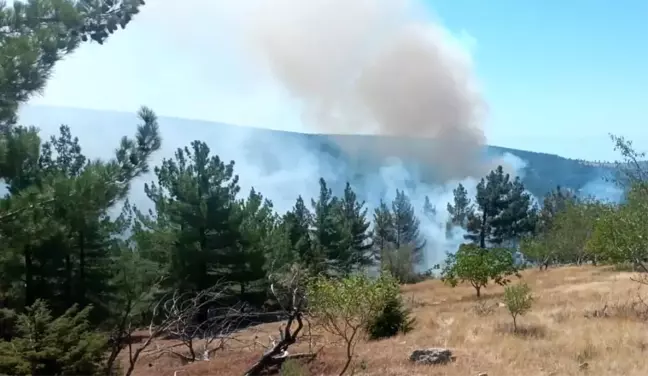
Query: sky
column 556, row 76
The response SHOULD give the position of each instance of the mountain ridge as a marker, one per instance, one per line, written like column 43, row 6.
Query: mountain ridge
column 270, row 151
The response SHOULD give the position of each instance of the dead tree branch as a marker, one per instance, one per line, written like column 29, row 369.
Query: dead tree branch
column 290, row 294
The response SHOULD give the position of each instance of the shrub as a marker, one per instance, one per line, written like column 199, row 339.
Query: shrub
column 478, row 266
column 394, row 318
column 342, row 307
column 292, row 368
column 44, row 345
column 518, row 300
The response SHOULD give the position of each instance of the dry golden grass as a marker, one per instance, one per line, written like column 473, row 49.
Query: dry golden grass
column 556, row 336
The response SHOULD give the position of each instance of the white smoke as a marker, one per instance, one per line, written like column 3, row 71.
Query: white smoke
column 373, row 67
column 347, row 66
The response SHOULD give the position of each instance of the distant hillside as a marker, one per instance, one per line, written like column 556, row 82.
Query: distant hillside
column 272, row 158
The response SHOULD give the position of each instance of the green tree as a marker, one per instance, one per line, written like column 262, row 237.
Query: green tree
column 383, row 230
column 406, row 227
column 45, row 345
column 60, row 249
column 245, row 263
column 195, row 201
column 397, row 243
column 477, row 266
column 37, row 34
column 326, row 234
column 503, row 211
column 461, row 209
column 553, row 203
column 355, row 248
column 538, row 250
column 343, row 307
column 619, row 235
column 293, row 240
column 518, row 301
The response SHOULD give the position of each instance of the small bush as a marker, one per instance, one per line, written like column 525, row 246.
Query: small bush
column 518, row 300
column 342, row 307
column 394, row 318
column 293, row 368
column 484, row 308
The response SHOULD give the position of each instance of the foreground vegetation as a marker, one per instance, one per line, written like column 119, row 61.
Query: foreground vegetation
column 584, row 320
column 77, row 281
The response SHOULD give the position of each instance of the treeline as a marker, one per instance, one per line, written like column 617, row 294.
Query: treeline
column 501, row 222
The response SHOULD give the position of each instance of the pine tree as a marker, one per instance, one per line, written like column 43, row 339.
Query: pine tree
column 39, row 33
column 429, row 209
column 326, row 232
column 503, row 212
column 520, row 217
column 195, row 196
column 461, row 210
column 354, row 251
column 245, row 263
column 554, row 202
column 297, row 223
column 406, row 227
column 63, row 251
column 383, row 231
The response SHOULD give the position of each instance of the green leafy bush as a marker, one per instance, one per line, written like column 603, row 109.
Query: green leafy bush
column 478, row 266
column 293, row 368
column 394, row 318
column 343, row 307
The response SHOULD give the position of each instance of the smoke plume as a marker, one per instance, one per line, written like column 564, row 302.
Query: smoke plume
column 374, row 67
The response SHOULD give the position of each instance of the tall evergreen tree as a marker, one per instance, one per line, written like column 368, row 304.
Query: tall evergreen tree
column 245, row 263
column 354, row 250
column 503, row 211
column 553, row 203
column 297, row 223
column 63, row 253
column 462, row 208
column 383, row 230
column 36, row 34
column 325, row 234
column 406, row 227
column 429, row 209
column 195, row 195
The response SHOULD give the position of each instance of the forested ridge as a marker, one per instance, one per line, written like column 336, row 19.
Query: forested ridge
column 542, row 172
column 76, row 282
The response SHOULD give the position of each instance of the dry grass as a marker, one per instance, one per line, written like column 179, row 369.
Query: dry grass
column 567, row 332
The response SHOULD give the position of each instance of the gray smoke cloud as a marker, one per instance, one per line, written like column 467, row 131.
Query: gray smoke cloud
column 354, row 66
column 374, row 67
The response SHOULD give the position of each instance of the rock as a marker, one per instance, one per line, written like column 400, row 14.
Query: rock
column 482, row 374
column 432, row 356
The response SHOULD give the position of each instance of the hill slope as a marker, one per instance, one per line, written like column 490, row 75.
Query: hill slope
column 287, row 163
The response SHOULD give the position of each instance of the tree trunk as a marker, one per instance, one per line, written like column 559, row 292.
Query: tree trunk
column 515, row 324
column 349, row 353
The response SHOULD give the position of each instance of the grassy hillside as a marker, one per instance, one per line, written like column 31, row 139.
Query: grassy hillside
column 559, row 336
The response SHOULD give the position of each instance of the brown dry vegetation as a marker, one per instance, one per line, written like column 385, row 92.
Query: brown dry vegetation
column 556, row 337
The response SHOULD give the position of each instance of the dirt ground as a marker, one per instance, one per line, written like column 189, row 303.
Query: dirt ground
column 561, row 336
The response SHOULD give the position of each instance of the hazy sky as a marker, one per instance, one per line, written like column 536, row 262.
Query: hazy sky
column 556, row 75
